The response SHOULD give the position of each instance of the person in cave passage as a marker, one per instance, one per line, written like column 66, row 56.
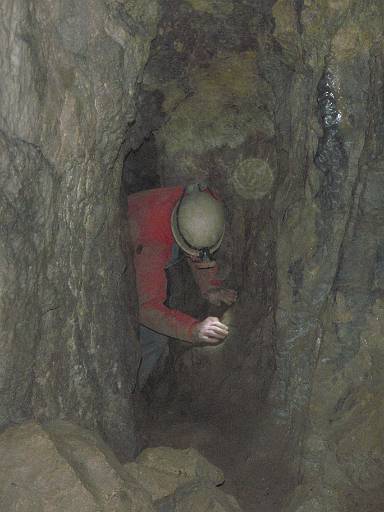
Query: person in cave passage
column 165, row 225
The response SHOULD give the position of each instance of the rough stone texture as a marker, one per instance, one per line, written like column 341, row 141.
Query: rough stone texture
column 327, row 253
column 181, row 462
column 162, row 470
column 69, row 77
column 181, row 480
column 158, row 483
column 330, row 148
column 61, row 468
column 197, row 497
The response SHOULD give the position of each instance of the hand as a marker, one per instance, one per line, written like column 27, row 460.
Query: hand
column 210, row 330
column 217, row 295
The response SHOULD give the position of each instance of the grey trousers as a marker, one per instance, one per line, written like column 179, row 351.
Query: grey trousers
column 153, row 347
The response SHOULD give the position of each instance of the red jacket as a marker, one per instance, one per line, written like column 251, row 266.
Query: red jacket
column 149, row 216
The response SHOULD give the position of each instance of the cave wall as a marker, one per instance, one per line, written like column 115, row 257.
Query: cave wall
column 70, row 73
column 328, row 251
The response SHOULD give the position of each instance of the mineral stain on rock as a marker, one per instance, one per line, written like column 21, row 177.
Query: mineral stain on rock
column 331, row 157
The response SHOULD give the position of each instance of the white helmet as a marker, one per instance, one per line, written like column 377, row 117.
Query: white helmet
column 198, row 223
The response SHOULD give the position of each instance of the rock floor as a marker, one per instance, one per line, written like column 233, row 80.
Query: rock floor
column 254, row 471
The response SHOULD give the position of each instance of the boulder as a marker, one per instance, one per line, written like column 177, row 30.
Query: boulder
column 63, row 468
column 199, row 497
column 163, row 470
column 181, row 481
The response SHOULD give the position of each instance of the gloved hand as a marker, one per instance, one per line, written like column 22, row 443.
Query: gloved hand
column 217, row 295
column 210, row 330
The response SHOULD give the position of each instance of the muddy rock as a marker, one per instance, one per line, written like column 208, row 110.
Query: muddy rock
column 68, row 347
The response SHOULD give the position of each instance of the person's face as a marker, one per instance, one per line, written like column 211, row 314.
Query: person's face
column 199, row 263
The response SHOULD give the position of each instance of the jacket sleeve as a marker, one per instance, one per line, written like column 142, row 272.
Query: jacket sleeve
column 151, row 283
column 205, row 277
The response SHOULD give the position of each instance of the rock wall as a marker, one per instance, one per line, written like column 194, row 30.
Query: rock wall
column 70, row 72
column 328, row 251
